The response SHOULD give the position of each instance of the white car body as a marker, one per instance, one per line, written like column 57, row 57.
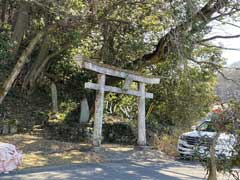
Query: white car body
column 188, row 143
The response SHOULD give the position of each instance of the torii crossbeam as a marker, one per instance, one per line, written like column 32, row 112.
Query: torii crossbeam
column 129, row 76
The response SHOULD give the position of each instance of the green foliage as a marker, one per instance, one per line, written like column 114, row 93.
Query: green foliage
column 226, row 120
column 4, row 43
column 121, row 105
column 183, row 96
column 69, row 112
column 6, row 62
column 118, row 33
column 118, row 133
column 69, row 77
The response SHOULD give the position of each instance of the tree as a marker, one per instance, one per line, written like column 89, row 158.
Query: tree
column 49, row 25
column 162, row 38
column 225, row 120
column 121, row 22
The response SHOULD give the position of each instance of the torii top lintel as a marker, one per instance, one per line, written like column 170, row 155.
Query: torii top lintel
column 113, row 71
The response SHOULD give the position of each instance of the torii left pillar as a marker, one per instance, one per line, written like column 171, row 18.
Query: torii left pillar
column 141, row 116
column 99, row 106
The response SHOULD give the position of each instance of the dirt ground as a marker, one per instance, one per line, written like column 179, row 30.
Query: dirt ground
column 39, row 152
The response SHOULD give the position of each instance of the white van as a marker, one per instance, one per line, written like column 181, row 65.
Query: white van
column 198, row 141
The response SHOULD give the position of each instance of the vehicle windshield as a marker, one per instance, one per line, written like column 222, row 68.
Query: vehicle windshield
column 206, row 126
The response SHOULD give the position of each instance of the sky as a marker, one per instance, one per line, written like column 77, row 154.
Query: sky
column 230, row 55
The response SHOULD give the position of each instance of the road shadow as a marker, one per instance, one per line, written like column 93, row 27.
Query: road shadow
column 107, row 171
column 121, row 163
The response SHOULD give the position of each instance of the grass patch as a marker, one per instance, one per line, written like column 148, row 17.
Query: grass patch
column 168, row 143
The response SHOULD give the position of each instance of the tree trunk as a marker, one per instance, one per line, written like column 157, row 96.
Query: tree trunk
column 4, row 7
column 108, row 52
column 37, row 66
column 20, row 27
column 54, row 98
column 18, row 67
column 93, row 7
column 213, row 164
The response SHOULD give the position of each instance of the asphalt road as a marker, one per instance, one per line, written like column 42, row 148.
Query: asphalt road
column 164, row 170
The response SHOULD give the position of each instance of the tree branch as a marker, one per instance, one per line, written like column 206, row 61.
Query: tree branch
column 19, row 65
column 217, row 67
column 220, row 37
column 166, row 45
column 229, row 23
column 212, row 64
column 233, row 11
column 220, row 47
column 229, row 79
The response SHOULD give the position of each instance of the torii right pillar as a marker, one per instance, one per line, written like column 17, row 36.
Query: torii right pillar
column 141, row 116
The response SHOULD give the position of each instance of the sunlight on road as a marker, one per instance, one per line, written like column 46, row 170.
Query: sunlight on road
column 185, row 175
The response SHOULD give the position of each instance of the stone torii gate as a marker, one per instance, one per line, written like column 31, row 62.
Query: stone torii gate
column 103, row 70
